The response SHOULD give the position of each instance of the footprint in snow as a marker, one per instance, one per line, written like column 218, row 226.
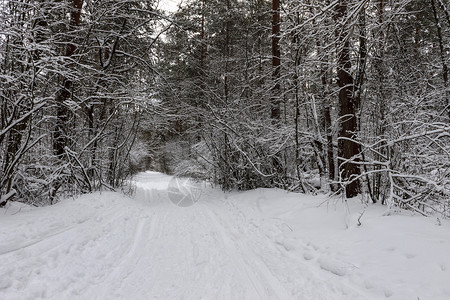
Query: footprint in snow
column 388, row 293
column 410, row 255
column 287, row 244
column 336, row 267
column 315, row 247
column 308, row 255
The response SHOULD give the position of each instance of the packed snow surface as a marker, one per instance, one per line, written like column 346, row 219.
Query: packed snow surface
column 260, row 244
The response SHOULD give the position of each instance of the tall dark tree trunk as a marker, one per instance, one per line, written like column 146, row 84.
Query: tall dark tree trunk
column 275, row 112
column 276, row 60
column 348, row 150
column 381, row 105
column 227, row 50
column 442, row 56
column 60, row 140
column 203, row 48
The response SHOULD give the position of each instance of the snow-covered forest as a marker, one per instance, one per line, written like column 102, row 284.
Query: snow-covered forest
column 276, row 107
column 344, row 96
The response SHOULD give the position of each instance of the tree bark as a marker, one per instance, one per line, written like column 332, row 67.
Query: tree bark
column 227, row 50
column 203, row 48
column 348, row 150
column 60, row 139
column 442, row 56
column 276, row 61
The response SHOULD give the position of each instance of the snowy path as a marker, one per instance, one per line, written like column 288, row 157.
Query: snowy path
column 112, row 247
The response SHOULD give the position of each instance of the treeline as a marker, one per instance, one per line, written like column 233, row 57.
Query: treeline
column 354, row 93
column 75, row 78
column 344, row 96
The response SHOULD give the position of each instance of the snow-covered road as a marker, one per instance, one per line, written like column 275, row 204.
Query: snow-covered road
column 112, row 247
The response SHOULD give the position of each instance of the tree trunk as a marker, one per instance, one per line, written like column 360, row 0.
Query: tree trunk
column 442, row 56
column 348, row 150
column 227, row 50
column 276, row 61
column 203, row 48
column 60, row 139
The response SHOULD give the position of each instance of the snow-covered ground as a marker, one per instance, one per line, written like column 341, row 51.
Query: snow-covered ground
column 261, row 244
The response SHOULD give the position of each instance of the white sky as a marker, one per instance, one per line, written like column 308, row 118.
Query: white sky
column 169, row 5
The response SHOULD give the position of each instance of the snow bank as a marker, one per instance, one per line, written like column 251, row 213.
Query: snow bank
column 401, row 256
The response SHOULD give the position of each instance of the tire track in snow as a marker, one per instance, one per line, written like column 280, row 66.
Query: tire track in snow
column 245, row 261
column 277, row 263
column 61, row 252
column 143, row 230
column 56, row 240
column 10, row 247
